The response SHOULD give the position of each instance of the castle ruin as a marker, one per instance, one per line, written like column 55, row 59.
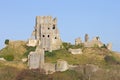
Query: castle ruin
column 46, row 37
column 47, row 33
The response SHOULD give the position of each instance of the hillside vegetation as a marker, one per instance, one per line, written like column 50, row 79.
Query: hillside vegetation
column 16, row 50
column 94, row 55
column 107, row 62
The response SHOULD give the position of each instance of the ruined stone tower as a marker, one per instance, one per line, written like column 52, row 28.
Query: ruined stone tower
column 47, row 33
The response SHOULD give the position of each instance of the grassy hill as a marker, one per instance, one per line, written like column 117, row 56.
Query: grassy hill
column 16, row 50
column 94, row 55
column 107, row 61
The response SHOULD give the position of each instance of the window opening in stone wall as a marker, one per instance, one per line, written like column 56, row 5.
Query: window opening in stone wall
column 48, row 36
column 53, row 26
column 43, row 35
column 48, row 28
column 55, row 37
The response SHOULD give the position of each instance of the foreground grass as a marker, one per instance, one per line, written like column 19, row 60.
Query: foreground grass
column 80, row 73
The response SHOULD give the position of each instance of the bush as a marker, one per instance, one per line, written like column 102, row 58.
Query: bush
column 7, row 41
column 49, row 54
column 111, row 59
column 66, row 45
column 29, row 49
column 9, row 57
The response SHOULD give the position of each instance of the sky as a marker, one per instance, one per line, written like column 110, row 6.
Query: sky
column 75, row 19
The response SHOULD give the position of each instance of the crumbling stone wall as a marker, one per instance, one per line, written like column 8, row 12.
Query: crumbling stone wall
column 36, row 59
column 78, row 41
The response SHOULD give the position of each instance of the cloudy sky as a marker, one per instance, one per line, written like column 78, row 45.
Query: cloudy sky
column 75, row 19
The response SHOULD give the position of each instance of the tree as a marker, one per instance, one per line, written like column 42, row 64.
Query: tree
column 7, row 41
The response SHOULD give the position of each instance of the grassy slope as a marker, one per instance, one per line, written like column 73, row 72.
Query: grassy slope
column 89, row 56
column 15, row 48
column 15, row 70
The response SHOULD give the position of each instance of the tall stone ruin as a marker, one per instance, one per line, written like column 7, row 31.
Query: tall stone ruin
column 47, row 33
column 36, row 59
column 47, row 38
column 86, row 37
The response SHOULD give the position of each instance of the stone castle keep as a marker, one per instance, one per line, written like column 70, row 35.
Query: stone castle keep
column 46, row 34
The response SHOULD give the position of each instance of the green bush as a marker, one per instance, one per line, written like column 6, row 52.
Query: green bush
column 49, row 54
column 9, row 57
column 29, row 49
column 66, row 45
column 7, row 41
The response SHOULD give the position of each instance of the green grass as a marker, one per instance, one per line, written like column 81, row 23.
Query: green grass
column 84, row 58
column 16, row 51
column 13, row 51
column 68, row 45
column 8, row 53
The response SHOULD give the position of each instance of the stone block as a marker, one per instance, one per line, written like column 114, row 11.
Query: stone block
column 62, row 65
column 34, row 60
column 32, row 42
column 75, row 51
column 2, row 59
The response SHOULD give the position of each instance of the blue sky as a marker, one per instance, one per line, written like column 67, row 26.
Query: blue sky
column 75, row 18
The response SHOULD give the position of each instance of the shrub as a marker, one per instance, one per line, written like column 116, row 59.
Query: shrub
column 29, row 49
column 111, row 59
column 66, row 45
column 49, row 54
column 9, row 57
column 7, row 41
